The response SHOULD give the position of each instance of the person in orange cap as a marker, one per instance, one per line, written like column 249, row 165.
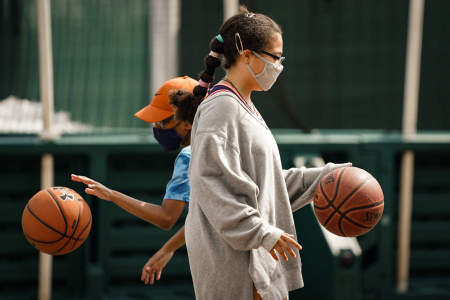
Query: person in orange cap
column 185, row 106
column 170, row 134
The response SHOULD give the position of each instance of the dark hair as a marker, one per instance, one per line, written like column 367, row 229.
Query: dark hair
column 186, row 105
column 255, row 31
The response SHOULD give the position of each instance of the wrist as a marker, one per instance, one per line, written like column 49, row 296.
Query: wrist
column 167, row 249
column 112, row 196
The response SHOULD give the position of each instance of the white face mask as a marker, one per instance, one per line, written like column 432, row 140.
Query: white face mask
column 268, row 75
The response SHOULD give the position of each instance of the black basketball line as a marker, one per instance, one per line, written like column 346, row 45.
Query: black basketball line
column 46, row 225
column 343, row 216
column 83, row 230
column 60, row 209
column 346, row 198
column 73, row 232
column 50, row 242
column 330, row 202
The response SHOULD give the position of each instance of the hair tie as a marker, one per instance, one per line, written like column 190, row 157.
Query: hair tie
column 219, row 38
column 203, row 84
column 214, row 54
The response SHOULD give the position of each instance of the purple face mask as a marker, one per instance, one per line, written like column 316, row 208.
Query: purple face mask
column 167, row 138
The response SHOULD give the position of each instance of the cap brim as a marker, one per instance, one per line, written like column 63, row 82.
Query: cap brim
column 153, row 114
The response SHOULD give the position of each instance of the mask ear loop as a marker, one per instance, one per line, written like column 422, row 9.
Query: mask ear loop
column 236, row 37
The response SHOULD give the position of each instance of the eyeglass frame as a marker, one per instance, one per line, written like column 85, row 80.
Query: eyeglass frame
column 276, row 57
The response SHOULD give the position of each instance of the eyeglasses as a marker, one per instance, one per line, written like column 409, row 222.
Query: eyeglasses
column 280, row 59
column 162, row 124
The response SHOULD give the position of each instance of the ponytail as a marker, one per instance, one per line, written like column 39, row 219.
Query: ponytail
column 212, row 62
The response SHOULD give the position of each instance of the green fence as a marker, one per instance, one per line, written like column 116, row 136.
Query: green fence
column 344, row 68
column 108, row 266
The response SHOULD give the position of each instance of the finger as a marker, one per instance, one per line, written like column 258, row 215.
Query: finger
column 282, row 253
column 272, row 252
column 147, row 278
column 292, row 242
column 83, row 179
column 152, row 278
column 89, row 191
column 75, row 178
column 287, row 248
column 290, row 251
column 158, row 275
column 143, row 274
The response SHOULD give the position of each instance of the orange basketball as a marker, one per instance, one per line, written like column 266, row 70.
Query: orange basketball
column 56, row 220
column 349, row 201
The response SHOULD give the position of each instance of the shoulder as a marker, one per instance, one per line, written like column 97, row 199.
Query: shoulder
column 223, row 102
column 218, row 112
column 183, row 157
column 185, row 152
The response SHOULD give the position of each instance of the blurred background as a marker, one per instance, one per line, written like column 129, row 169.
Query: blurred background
column 340, row 98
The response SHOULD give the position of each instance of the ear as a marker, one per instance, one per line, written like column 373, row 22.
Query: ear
column 187, row 126
column 246, row 56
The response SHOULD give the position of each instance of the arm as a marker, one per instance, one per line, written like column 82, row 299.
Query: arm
column 220, row 177
column 159, row 260
column 163, row 216
column 301, row 183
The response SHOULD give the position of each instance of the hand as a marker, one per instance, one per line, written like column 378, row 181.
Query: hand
column 284, row 245
column 94, row 188
column 156, row 263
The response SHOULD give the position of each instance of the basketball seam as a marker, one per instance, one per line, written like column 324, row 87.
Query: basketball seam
column 73, row 231
column 47, row 225
column 344, row 216
column 85, row 227
column 345, row 199
column 50, row 242
column 330, row 202
column 60, row 209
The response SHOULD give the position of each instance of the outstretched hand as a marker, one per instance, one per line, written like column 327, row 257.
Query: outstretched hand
column 284, row 245
column 93, row 187
column 155, row 264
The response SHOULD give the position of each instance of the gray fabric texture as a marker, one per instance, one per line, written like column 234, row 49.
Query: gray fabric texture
column 241, row 202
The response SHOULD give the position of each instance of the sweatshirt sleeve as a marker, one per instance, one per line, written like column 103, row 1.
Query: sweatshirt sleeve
column 301, row 183
column 225, row 193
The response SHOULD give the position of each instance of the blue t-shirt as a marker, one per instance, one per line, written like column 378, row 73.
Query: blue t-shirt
column 178, row 187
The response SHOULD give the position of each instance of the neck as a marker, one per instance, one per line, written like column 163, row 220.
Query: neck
column 240, row 83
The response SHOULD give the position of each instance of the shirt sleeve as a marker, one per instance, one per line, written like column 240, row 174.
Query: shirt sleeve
column 178, row 187
column 302, row 182
column 225, row 193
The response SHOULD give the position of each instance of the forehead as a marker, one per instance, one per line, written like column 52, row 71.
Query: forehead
column 276, row 43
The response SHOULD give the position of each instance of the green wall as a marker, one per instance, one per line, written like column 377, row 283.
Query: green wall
column 100, row 49
column 345, row 59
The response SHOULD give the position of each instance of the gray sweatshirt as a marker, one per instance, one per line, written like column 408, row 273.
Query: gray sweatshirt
column 241, row 202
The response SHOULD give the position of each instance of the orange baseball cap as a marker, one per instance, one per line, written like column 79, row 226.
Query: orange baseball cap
column 159, row 108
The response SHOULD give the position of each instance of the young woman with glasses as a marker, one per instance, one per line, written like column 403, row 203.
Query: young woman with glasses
column 240, row 220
